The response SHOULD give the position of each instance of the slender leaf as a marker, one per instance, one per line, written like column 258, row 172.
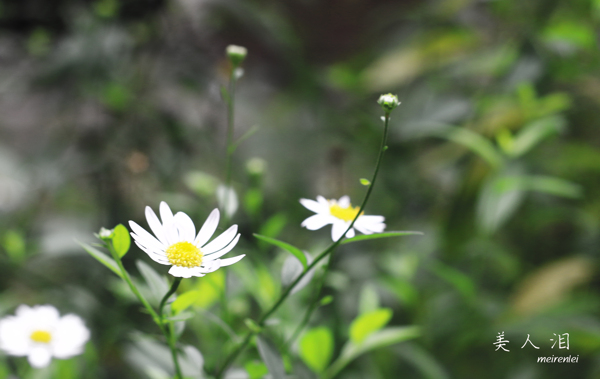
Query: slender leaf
column 461, row 282
column 286, row 246
column 373, row 236
column 102, row 258
column 292, row 268
column 534, row 133
column 554, row 186
column 181, row 316
column 316, row 348
column 382, row 338
column 271, row 357
column 475, row 142
column 184, row 301
column 121, row 240
column 157, row 283
column 191, row 361
column 368, row 323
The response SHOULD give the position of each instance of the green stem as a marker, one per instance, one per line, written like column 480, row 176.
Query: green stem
column 228, row 157
column 309, row 311
column 261, row 323
column 230, row 125
column 136, row 292
column 157, row 317
column 171, row 291
column 172, row 340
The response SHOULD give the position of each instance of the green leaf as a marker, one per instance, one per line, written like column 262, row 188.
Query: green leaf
column 253, row 129
column 13, row 243
column 256, row 370
column 554, row 186
column 316, row 348
column 365, row 182
column 181, row 316
column 382, row 338
column 157, row 283
column 534, row 133
column 286, row 246
column 373, row 236
column 271, row 357
column 253, row 326
column 273, row 226
column 461, row 282
column 121, row 240
column 368, row 323
column 210, row 288
column 326, row 300
column 102, row 258
column 184, row 301
column 191, row 361
column 475, row 142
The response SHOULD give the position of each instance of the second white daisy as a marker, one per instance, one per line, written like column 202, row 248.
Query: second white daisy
column 177, row 244
column 340, row 214
column 39, row 333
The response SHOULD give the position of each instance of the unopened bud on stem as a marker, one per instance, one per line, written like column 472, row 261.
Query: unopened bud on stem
column 236, row 54
column 388, row 102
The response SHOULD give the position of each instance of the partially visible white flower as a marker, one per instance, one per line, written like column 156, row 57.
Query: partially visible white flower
column 227, row 199
column 177, row 244
column 340, row 214
column 40, row 333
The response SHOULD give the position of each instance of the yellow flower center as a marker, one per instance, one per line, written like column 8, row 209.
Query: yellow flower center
column 41, row 336
column 184, row 254
column 346, row 214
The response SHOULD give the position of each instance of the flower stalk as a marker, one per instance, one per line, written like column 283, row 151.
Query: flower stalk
column 388, row 103
column 158, row 318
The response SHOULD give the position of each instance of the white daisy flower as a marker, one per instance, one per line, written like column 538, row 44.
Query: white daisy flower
column 177, row 244
column 340, row 214
column 40, row 334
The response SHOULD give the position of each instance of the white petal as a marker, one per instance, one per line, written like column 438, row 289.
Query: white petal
column 182, row 272
column 155, row 225
column 321, row 200
column 370, row 224
column 313, row 206
column 317, row 221
column 145, row 238
column 165, row 214
column 172, row 233
column 225, row 250
column 185, row 225
column 208, row 229
column 39, row 357
column 221, row 241
column 230, row 261
column 344, row 201
column 14, row 336
column 46, row 314
column 156, row 257
column 350, row 233
column 70, row 337
column 361, row 228
column 338, row 229
column 210, row 267
column 371, row 219
column 24, row 311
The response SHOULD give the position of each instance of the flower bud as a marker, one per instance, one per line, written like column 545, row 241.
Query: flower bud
column 236, row 54
column 105, row 234
column 388, row 102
